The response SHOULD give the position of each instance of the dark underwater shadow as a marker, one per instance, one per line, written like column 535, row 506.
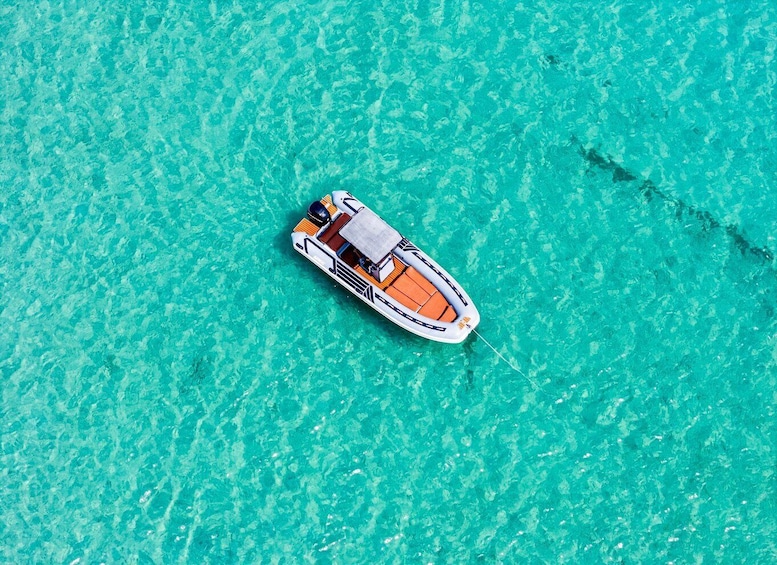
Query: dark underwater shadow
column 682, row 210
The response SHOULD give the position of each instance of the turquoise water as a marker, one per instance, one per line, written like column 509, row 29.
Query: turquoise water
column 178, row 386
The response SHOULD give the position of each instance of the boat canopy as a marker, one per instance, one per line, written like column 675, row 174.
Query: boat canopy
column 370, row 235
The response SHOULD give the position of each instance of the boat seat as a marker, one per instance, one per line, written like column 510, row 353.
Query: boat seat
column 413, row 290
column 331, row 235
column 410, row 288
column 420, row 280
column 434, row 307
column 448, row 315
column 349, row 255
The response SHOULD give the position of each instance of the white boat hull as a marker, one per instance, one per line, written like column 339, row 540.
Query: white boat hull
column 370, row 292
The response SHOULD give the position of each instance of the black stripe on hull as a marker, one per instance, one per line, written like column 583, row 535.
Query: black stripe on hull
column 345, row 274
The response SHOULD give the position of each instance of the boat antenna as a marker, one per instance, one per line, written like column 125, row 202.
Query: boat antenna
column 502, row 357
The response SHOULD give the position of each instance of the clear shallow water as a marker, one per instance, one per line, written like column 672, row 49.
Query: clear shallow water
column 179, row 386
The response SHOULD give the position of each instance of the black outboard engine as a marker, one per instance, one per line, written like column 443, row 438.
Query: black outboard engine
column 318, row 214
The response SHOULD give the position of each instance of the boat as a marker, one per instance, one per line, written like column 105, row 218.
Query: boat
column 364, row 254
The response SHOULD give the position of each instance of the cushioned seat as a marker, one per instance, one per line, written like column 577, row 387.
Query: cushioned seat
column 420, row 280
column 332, row 235
column 410, row 288
column 434, row 307
column 449, row 315
column 403, row 299
column 413, row 290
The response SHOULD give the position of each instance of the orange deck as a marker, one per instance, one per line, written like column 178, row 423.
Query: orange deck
column 309, row 227
column 306, row 226
column 327, row 201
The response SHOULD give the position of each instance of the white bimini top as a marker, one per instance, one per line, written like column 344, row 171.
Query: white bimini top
column 368, row 233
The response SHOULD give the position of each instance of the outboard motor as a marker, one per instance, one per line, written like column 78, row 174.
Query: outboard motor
column 318, row 214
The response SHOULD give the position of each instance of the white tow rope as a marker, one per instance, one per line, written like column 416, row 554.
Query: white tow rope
column 502, row 357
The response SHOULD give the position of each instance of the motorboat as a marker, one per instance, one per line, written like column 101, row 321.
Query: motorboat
column 372, row 260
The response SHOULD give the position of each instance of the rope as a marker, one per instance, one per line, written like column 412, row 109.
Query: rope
column 512, row 366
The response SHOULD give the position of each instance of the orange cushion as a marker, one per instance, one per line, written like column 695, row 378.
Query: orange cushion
column 402, row 298
column 420, row 280
column 449, row 315
column 435, row 307
column 412, row 289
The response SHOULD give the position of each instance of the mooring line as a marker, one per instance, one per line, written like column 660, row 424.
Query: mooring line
column 512, row 366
